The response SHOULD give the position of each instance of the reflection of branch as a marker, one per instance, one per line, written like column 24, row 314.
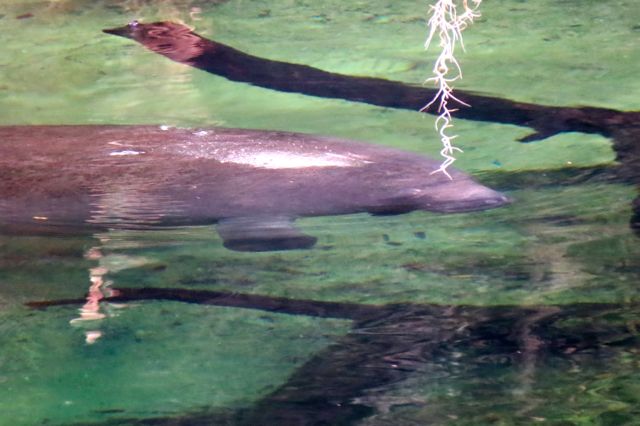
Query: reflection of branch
column 387, row 344
column 365, row 315
column 531, row 345
column 238, row 300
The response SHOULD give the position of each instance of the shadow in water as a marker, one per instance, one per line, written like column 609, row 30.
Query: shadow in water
column 388, row 344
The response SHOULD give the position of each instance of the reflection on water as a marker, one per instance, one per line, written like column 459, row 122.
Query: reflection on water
column 388, row 344
column 95, row 308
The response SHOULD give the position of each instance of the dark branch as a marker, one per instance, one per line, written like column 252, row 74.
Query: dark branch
column 180, row 44
column 238, row 300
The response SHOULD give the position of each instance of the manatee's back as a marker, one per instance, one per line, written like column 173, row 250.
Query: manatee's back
column 131, row 176
column 36, row 186
column 286, row 174
column 140, row 176
column 68, row 177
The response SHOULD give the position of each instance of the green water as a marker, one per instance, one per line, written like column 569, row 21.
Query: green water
column 556, row 244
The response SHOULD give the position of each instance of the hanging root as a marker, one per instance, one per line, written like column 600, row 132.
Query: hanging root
column 448, row 25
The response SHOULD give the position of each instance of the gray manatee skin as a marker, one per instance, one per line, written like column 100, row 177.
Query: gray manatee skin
column 251, row 183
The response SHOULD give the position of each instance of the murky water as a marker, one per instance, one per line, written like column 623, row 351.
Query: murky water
column 520, row 315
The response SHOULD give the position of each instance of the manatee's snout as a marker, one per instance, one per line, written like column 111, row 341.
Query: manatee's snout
column 462, row 195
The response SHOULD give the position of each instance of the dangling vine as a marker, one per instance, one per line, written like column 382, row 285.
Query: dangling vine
column 448, row 24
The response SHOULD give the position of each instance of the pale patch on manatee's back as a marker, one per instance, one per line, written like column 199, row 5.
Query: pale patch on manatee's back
column 266, row 151
column 291, row 160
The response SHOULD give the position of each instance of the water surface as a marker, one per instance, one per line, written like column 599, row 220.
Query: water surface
column 544, row 320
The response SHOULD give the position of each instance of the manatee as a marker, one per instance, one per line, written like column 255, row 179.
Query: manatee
column 252, row 184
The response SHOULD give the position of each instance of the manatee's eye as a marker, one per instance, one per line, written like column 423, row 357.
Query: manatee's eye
column 133, row 23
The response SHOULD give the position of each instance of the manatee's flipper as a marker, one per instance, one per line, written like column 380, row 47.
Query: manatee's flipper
column 401, row 203
column 262, row 234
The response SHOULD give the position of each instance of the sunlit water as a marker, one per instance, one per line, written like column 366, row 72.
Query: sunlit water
column 562, row 246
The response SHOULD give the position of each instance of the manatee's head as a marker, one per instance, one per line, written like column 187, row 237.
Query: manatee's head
column 435, row 194
column 175, row 41
column 459, row 194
